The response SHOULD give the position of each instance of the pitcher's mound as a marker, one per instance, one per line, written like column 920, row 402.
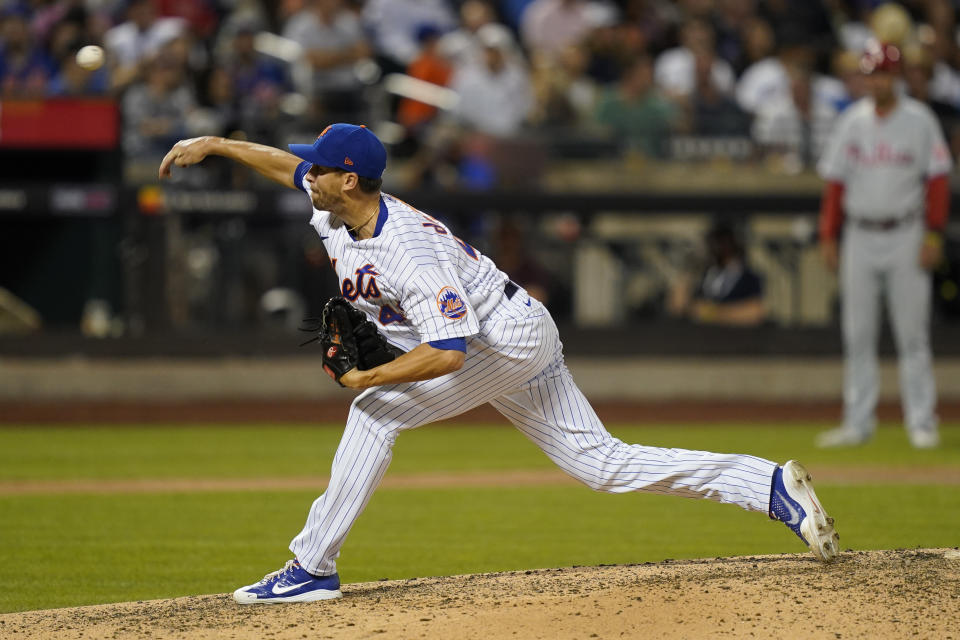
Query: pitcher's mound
column 868, row 594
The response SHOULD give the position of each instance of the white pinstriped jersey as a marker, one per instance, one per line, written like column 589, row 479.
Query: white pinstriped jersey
column 422, row 284
column 414, row 278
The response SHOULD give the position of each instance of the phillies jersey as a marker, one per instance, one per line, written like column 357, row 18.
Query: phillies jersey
column 414, row 278
column 884, row 162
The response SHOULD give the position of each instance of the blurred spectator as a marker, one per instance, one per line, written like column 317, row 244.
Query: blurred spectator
column 793, row 20
column 72, row 80
column 25, row 68
column 714, row 114
column 944, row 81
column 917, row 75
column 429, row 66
column 258, row 82
column 846, row 68
column 768, row 80
column 495, row 95
column 654, row 19
column 675, row 68
column 138, row 39
column 564, row 95
column 613, row 48
column 333, row 40
column 66, row 37
column 155, row 111
column 696, row 9
column 253, row 73
column 221, row 102
column 200, row 15
column 730, row 21
column 394, row 23
column 549, row 26
column 461, row 44
column 757, row 44
column 729, row 291
column 795, row 128
column 635, row 112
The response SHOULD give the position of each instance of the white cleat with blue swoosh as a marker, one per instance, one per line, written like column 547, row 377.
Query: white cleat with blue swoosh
column 794, row 503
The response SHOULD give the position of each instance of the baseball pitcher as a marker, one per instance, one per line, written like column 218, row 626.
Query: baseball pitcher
column 456, row 333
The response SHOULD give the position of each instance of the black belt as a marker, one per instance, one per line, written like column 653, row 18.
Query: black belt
column 510, row 288
column 881, row 224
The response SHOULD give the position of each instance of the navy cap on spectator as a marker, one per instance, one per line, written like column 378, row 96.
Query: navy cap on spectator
column 349, row 147
column 428, row 31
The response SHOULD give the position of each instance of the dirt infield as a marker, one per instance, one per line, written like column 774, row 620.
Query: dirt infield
column 872, row 594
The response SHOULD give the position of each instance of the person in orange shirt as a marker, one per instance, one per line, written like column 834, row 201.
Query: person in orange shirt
column 429, row 66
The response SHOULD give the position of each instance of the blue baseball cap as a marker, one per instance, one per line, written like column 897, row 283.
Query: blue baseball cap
column 349, row 147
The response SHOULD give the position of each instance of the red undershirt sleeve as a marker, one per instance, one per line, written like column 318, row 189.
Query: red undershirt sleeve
column 831, row 211
column 938, row 202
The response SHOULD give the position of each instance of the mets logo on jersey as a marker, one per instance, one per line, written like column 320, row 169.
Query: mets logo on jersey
column 451, row 304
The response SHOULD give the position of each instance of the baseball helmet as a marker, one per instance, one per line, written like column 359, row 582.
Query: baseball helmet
column 880, row 56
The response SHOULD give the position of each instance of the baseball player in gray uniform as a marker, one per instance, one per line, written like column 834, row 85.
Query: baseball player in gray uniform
column 470, row 336
column 886, row 169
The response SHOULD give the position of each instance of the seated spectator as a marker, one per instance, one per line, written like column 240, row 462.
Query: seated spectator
column 795, row 128
column 714, row 114
column 495, row 96
column 333, row 40
column 393, row 26
column 155, row 110
column 729, row 292
column 675, row 68
column 136, row 41
column 25, row 68
column 429, row 66
column 635, row 112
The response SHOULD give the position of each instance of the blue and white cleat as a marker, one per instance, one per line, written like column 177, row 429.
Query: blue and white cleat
column 290, row 584
column 794, row 503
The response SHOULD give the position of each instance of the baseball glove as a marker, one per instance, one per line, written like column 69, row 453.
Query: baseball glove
column 348, row 339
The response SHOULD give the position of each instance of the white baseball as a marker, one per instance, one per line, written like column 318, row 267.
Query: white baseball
column 90, row 57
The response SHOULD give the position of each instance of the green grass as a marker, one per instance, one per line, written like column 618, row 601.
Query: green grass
column 61, row 550
column 46, row 453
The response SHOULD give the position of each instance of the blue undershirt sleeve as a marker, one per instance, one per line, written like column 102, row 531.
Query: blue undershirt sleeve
column 302, row 169
column 449, row 344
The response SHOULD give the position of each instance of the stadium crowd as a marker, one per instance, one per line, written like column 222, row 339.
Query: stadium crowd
column 580, row 76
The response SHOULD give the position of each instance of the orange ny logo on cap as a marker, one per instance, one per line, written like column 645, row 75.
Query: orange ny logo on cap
column 324, row 131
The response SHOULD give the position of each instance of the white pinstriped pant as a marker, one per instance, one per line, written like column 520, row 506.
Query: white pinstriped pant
column 517, row 366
